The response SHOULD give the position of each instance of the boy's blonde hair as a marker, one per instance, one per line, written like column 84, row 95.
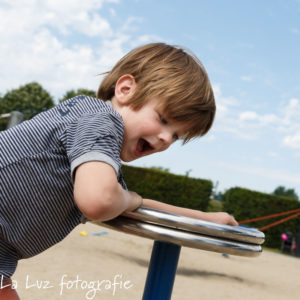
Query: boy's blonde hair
column 171, row 74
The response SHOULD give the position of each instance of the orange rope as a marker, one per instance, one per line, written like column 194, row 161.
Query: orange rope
column 271, row 216
column 280, row 221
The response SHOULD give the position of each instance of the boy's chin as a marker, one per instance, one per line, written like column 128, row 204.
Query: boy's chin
column 125, row 158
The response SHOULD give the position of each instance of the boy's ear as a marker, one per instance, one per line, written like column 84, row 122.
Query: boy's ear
column 125, row 88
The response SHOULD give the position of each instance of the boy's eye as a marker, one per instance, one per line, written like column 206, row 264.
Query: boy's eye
column 175, row 136
column 163, row 120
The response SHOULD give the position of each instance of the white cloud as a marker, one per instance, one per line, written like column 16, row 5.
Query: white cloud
column 226, row 115
column 290, row 124
column 248, row 116
column 273, row 154
column 224, row 104
column 295, row 30
column 279, row 175
column 252, row 117
column 292, row 141
column 209, row 137
column 69, row 15
column 146, row 38
column 39, row 42
column 269, row 119
column 286, row 123
column 64, row 16
column 292, row 109
column 244, row 124
column 250, row 124
column 246, row 78
column 221, row 99
column 112, row 12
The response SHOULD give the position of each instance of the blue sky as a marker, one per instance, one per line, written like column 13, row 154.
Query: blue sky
column 250, row 49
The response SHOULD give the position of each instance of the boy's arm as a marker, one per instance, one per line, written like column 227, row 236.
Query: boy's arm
column 218, row 217
column 99, row 196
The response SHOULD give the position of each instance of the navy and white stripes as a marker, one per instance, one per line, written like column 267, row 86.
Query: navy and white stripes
column 37, row 157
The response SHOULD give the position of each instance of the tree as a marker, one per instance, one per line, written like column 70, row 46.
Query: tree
column 282, row 191
column 73, row 93
column 29, row 99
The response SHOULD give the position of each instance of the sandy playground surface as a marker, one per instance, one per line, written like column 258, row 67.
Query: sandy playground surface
column 70, row 269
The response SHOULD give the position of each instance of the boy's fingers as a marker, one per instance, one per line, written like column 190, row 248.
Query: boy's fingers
column 234, row 222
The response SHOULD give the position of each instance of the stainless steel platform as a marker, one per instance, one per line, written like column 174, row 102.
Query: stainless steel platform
column 189, row 232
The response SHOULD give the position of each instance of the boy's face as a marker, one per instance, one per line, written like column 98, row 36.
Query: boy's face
column 147, row 131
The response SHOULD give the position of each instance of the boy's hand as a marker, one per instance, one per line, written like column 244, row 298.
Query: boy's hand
column 135, row 201
column 217, row 217
column 221, row 217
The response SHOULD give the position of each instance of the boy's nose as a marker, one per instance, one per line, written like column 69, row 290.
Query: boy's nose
column 166, row 137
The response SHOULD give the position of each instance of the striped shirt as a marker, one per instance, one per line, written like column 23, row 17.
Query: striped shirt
column 37, row 163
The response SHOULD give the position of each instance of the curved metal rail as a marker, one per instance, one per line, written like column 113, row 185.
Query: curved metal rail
column 170, row 232
column 190, row 232
column 237, row 233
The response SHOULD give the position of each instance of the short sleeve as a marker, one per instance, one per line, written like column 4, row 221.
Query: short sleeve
column 94, row 137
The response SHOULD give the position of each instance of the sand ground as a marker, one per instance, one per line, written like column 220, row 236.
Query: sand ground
column 72, row 268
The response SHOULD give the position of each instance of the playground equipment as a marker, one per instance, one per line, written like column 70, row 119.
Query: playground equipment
column 288, row 243
column 14, row 118
column 293, row 214
column 170, row 232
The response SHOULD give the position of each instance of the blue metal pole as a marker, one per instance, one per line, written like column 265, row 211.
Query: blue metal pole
column 162, row 271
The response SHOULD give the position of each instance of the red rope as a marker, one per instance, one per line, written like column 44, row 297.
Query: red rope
column 280, row 221
column 271, row 216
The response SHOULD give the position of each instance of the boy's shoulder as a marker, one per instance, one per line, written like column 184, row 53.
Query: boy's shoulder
column 93, row 114
column 84, row 104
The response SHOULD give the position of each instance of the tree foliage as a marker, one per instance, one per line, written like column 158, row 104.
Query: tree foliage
column 72, row 93
column 282, row 191
column 169, row 188
column 29, row 99
column 246, row 204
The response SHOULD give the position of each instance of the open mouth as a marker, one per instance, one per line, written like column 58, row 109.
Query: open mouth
column 143, row 147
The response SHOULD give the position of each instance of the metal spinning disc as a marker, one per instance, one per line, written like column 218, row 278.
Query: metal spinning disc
column 182, row 238
column 236, row 233
column 189, row 232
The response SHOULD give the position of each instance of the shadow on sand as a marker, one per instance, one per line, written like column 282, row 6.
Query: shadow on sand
column 189, row 272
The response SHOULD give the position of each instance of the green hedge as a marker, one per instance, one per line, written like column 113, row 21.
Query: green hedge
column 169, row 188
column 246, row 204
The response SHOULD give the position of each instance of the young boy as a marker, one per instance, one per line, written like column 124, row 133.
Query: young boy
column 63, row 166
